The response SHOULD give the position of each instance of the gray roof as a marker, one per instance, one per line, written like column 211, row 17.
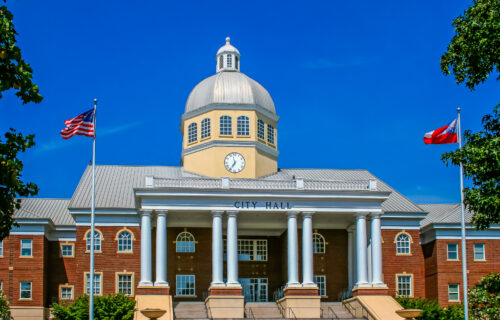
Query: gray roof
column 39, row 208
column 444, row 214
column 115, row 184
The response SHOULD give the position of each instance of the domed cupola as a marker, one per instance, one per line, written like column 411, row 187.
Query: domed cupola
column 228, row 57
column 229, row 125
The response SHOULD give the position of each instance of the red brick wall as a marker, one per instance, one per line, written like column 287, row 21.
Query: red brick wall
column 393, row 264
column 62, row 270
column 442, row 272
column 24, row 269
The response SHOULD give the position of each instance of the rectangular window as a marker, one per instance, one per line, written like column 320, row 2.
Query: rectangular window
column 404, row 286
column 124, row 283
column 479, row 251
column 205, row 128
column 25, row 290
column 270, row 134
column 97, row 283
column 185, row 285
column 226, row 126
column 252, row 250
column 321, row 283
column 1, row 248
column 66, row 293
column 67, row 250
column 26, row 247
column 1, row 286
column 260, row 129
column 453, row 292
column 452, row 251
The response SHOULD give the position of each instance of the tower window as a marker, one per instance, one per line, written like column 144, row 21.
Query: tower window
column 229, row 61
column 403, row 244
column 260, row 130
column 225, row 126
column 243, row 126
column 192, row 132
column 270, row 134
column 221, row 62
column 205, row 128
column 236, row 62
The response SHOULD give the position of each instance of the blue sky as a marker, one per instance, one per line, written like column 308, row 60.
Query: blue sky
column 356, row 83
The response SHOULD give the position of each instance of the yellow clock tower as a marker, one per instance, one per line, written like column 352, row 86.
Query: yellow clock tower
column 229, row 125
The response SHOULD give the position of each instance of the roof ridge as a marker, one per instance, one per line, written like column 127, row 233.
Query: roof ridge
column 447, row 214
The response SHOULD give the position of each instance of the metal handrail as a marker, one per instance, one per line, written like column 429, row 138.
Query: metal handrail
column 282, row 311
column 250, row 313
column 334, row 314
column 292, row 313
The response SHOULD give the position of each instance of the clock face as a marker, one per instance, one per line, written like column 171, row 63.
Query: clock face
column 234, row 162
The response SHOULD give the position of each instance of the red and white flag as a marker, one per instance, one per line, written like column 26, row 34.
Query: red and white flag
column 446, row 134
column 81, row 125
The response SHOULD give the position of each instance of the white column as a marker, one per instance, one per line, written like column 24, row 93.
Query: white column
column 361, row 262
column 217, row 253
column 161, row 249
column 292, row 252
column 350, row 256
column 307, row 250
column 232, row 249
column 376, row 236
column 146, row 249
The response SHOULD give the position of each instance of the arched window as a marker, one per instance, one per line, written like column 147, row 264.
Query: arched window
column 243, row 126
column 192, row 132
column 260, row 129
column 236, row 62
column 403, row 241
column 221, row 62
column 205, row 128
column 225, row 126
column 318, row 243
column 97, row 240
column 125, row 241
column 184, row 242
column 229, row 60
column 270, row 134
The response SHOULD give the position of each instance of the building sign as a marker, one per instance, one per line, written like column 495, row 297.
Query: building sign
column 266, row 205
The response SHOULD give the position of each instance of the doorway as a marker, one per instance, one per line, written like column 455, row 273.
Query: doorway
column 254, row 289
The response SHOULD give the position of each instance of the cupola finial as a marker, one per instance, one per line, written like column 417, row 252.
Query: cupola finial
column 228, row 40
column 228, row 57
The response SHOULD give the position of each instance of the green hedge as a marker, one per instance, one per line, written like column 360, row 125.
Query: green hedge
column 432, row 310
column 110, row 307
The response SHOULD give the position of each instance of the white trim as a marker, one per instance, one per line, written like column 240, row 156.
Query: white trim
column 469, row 237
column 28, row 233
column 399, row 228
column 108, row 224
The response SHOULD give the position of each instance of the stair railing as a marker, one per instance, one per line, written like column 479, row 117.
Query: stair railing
column 333, row 313
column 292, row 314
column 282, row 311
column 249, row 313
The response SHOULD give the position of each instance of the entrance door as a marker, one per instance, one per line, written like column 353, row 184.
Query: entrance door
column 254, row 289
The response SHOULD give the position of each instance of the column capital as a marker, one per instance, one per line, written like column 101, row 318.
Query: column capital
column 161, row 212
column 292, row 213
column 375, row 215
column 361, row 214
column 351, row 228
column 146, row 212
column 307, row 213
column 217, row 213
column 232, row 213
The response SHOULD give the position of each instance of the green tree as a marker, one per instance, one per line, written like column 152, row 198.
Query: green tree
column 485, row 298
column 480, row 157
column 110, row 307
column 474, row 51
column 16, row 75
column 4, row 307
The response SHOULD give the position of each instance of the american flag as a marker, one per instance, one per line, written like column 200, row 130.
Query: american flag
column 82, row 125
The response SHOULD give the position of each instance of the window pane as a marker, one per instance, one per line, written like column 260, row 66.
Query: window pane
column 26, row 246
column 478, row 251
column 185, row 242
column 270, row 134
column 97, row 283
column 321, row 283
column 25, row 290
column 229, row 60
column 1, row 248
column 404, row 286
column 403, row 244
column 125, row 241
column 67, row 250
column 452, row 251
column 66, row 293
column 260, row 129
column 205, row 128
column 225, row 125
column 125, row 284
column 192, row 132
column 318, row 243
column 97, row 241
column 243, row 126
column 185, row 285
column 453, row 292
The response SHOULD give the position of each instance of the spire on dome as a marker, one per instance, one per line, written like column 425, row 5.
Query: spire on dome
column 228, row 57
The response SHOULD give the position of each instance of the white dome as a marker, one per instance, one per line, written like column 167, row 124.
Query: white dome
column 228, row 47
column 229, row 88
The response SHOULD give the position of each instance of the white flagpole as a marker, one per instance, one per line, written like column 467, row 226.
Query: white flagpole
column 92, row 222
column 464, row 245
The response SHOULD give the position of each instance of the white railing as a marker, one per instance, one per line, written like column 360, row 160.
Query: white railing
column 258, row 184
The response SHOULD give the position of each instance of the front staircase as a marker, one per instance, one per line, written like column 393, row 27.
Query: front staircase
column 262, row 310
column 190, row 310
column 335, row 310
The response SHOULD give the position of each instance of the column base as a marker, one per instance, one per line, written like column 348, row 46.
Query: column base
column 225, row 291
column 301, row 306
column 161, row 284
column 225, row 305
column 370, row 291
column 301, row 291
column 145, row 284
column 153, row 299
column 160, row 290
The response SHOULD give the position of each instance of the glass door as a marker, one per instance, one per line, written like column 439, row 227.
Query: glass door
column 254, row 289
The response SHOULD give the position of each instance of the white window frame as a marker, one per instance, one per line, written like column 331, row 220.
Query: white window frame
column 1, row 248
column 270, row 134
column 30, row 241
column 457, row 285
column 320, row 281
column 123, row 289
column 185, row 242
column 403, row 244
column 72, row 246
column 205, row 128
column 179, row 290
column 243, row 126
column 125, row 244
column 258, row 248
column 399, row 284
column 192, row 132
column 448, row 251
column 319, row 243
column 261, row 129
column 225, row 125
column 482, row 252
column 98, row 238
column 229, row 61
column 62, row 295
column 21, row 290
column 97, row 278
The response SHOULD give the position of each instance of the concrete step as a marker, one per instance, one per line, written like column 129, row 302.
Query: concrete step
column 262, row 310
column 190, row 310
column 335, row 310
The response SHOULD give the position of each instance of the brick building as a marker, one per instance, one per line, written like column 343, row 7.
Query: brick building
column 228, row 227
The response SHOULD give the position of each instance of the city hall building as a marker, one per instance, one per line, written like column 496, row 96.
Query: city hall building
column 234, row 232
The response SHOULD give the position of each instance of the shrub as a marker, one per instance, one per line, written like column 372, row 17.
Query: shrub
column 4, row 307
column 484, row 300
column 110, row 307
column 430, row 308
